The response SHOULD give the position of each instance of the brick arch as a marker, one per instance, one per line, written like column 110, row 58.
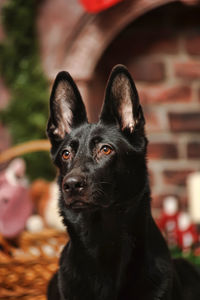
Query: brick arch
column 99, row 30
column 162, row 62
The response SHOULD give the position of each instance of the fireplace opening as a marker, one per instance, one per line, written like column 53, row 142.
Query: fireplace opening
column 162, row 51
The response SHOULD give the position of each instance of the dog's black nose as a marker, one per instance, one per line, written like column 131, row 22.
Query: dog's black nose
column 75, row 183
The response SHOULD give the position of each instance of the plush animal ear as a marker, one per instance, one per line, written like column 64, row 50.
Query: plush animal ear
column 66, row 108
column 121, row 105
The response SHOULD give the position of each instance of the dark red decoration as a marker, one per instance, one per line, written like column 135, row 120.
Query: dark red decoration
column 177, row 226
column 168, row 225
column 187, row 234
column 95, row 6
column 168, row 220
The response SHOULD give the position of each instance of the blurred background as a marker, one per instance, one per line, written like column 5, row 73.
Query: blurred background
column 159, row 42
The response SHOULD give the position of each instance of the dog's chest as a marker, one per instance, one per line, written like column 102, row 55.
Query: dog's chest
column 90, row 276
column 84, row 279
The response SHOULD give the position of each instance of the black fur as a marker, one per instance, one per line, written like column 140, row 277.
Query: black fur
column 116, row 251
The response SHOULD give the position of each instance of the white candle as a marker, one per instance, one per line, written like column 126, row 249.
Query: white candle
column 193, row 187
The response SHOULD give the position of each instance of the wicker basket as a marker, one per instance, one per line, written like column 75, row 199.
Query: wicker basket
column 26, row 269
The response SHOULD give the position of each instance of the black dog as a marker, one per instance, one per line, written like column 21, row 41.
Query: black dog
column 115, row 252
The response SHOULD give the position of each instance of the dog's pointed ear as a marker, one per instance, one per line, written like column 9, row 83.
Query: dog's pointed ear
column 121, row 105
column 66, row 108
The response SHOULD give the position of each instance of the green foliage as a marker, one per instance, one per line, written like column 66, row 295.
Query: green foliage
column 27, row 113
column 189, row 255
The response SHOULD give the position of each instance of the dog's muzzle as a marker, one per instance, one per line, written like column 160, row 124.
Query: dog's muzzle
column 74, row 187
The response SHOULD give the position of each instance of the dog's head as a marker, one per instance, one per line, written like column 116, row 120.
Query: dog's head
column 100, row 165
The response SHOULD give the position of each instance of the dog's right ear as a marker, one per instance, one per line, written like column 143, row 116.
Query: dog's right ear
column 66, row 108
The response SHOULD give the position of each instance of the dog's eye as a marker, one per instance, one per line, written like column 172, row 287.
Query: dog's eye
column 106, row 150
column 66, row 154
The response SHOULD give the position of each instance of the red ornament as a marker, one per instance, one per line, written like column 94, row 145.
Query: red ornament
column 168, row 220
column 186, row 232
column 95, row 6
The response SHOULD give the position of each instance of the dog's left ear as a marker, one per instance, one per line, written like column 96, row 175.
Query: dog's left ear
column 121, row 105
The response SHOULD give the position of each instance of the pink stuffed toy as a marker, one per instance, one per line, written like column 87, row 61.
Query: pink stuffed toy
column 15, row 203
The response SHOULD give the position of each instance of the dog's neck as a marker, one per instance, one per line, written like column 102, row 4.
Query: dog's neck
column 107, row 232
column 113, row 243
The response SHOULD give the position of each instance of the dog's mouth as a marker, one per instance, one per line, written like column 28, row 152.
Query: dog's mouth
column 81, row 203
column 78, row 205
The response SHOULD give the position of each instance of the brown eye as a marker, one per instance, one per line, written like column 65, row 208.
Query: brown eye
column 106, row 150
column 66, row 154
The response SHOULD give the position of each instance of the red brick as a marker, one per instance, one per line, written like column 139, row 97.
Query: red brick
column 189, row 2
column 183, row 122
column 149, row 42
column 55, row 31
column 157, row 201
column 193, row 150
column 176, row 177
column 162, row 151
column 163, row 94
column 187, row 70
column 193, row 44
column 166, row 44
column 145, row 70
column 152, row 121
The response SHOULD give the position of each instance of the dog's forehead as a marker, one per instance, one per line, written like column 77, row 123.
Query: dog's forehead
column 87, row 132
column 81, row 132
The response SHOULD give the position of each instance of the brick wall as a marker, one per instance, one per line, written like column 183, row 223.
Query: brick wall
column 162, row 51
